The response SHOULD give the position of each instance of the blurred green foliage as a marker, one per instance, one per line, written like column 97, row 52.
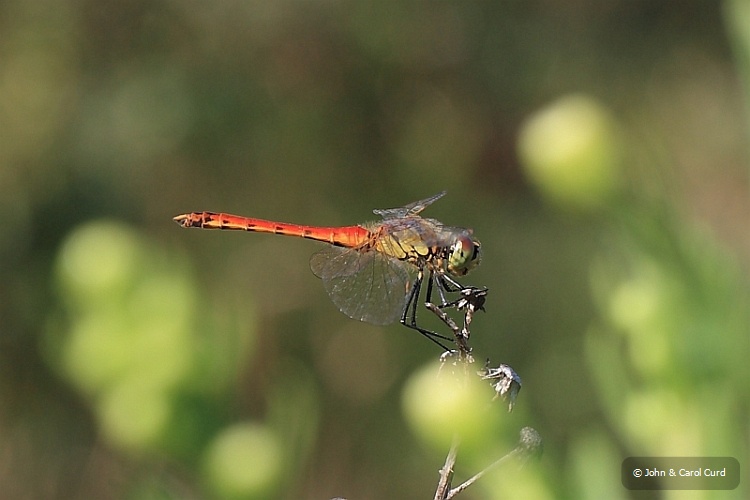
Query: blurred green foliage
column 598, row 150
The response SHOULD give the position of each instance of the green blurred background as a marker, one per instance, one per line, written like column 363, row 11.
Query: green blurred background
column 598, row 149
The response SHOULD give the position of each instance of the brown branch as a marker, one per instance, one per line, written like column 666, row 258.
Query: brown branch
column 446, row 473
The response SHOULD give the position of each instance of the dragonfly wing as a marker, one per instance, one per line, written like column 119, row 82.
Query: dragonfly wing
column 410, row 209
column 366, row 286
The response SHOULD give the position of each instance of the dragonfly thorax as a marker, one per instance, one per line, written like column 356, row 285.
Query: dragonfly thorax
column 464, row 255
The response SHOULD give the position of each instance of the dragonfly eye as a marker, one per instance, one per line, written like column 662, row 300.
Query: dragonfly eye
column 465, row 255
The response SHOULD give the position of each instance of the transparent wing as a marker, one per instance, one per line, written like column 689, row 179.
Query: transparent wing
column 367, row 286
column 410, row 209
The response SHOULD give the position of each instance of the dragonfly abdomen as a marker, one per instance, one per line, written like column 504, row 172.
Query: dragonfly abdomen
column 346, row 236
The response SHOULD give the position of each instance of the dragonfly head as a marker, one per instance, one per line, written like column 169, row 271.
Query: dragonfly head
column 464, row 255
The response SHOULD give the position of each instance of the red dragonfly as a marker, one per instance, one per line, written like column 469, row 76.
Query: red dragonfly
column 367, row 269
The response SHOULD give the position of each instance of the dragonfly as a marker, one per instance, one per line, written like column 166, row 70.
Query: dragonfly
column 374, row 272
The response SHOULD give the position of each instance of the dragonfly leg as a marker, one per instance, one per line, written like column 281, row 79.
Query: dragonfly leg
column 464, row 350
column 409, row 316
column 448, row 284
column 445, row 285
column 470, row 300
column 441, row 288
